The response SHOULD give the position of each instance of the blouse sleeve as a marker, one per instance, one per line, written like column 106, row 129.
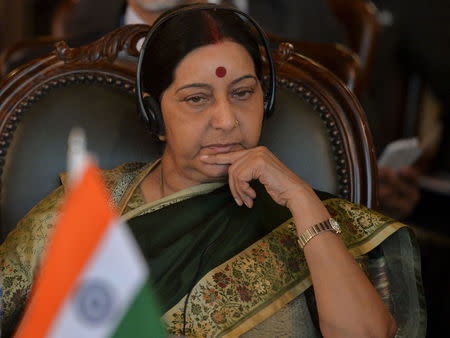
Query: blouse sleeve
column 20, row 254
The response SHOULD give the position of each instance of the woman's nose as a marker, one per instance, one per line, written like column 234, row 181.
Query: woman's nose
column 223, row 116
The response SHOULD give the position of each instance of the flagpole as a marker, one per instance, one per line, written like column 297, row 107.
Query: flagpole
column 76, row 153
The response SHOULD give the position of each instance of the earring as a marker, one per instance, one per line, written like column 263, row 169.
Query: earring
column 236, row 123
column 162, row 138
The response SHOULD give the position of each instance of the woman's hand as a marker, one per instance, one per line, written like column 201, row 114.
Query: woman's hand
column 258, row 164
column 285, row 187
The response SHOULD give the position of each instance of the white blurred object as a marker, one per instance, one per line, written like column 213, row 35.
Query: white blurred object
column 241, row 5
column 400, row 153
column 385, row 18
column 77, row 154
column 158, row 5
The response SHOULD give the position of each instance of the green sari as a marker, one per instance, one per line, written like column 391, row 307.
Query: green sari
column 223, row 270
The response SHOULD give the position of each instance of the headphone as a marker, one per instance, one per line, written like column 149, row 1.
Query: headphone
column 150, row 109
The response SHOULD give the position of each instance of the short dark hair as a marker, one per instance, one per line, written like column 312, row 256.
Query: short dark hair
column 189, row 30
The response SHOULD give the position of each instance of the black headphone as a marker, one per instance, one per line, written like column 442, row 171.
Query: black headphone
column 149, row 107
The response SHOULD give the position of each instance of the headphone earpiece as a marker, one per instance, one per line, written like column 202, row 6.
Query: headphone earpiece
column 152, row 115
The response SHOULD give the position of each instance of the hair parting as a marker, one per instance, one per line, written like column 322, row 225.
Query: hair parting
column 212, row 27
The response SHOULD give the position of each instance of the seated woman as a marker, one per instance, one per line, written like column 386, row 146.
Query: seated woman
column 218, row 217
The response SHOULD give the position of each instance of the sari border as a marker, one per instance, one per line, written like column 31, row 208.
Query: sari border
column 179, row 196
column 382, row 228
column 275, row 305
column 376, row 239
column 257, row 316
column 134, row 184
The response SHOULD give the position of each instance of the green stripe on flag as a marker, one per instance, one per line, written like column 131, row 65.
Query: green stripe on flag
column 142, row 318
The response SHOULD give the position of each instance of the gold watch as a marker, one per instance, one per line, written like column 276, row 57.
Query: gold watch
column 328, row 225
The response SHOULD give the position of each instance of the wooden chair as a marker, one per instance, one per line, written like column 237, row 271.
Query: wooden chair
column 337, row 58
column 359, row 18
column 15, row 55
column 318, row 128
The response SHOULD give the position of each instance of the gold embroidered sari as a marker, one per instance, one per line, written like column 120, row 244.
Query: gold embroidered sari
column 222, row 270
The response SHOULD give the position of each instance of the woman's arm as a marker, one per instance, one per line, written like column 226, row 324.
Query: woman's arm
column 348, row 304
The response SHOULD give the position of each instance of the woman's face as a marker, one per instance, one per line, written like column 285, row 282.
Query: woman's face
column 214, row 105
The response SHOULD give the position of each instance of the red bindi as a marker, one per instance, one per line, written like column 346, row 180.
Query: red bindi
column 221, row 71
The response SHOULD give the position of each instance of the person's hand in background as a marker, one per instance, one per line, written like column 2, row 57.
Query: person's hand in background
column 398, row 191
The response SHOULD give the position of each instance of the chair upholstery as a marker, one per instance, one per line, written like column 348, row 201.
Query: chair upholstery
column 318, row 128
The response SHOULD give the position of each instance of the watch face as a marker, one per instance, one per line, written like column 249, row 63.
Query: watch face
column 335, row 225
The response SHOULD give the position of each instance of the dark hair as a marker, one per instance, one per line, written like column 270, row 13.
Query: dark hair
column 178, row 36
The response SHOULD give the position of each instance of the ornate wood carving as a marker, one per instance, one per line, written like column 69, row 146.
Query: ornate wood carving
column 108, row 47
column 341, row 61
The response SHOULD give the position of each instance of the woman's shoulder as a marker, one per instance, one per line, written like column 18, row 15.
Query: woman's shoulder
column 32, row 230
column 116, row 174
column 20, row 254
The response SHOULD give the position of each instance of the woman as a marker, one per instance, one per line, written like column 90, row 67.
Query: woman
column 224, row 257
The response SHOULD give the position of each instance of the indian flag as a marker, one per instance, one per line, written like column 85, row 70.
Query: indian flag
column 93, row 279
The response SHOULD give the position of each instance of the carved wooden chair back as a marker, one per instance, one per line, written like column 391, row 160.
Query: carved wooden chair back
column 337, row 58
column 318, row 128
column 24, row 51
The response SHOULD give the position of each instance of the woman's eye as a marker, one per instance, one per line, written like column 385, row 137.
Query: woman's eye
column 196, row 99
column 243, row 94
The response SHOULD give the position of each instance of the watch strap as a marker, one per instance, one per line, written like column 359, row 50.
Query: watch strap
column 316, row 229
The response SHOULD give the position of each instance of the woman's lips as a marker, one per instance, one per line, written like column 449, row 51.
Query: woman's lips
column 221, row 148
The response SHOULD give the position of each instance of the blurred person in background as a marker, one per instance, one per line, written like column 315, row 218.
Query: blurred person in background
column 415, row 45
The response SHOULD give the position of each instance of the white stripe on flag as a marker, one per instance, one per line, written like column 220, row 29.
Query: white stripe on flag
column 105, row 289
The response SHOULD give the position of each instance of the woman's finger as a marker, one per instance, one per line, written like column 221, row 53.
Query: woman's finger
column 233, row 190
column 239, row 182
column 223, row 158
column 246, row 192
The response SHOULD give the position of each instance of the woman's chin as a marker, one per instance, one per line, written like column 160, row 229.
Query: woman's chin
column 215, row 172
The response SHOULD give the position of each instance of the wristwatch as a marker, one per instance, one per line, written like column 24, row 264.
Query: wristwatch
column 328, row 225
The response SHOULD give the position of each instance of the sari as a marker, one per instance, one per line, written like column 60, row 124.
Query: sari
column 223, row 270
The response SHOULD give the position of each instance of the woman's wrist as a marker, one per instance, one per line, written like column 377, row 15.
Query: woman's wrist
column 307, row 210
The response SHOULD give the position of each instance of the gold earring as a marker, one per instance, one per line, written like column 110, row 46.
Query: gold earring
column 162, row 138
column 236, row 123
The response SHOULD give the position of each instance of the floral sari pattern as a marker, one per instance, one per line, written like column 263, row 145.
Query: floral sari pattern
column 257, row 282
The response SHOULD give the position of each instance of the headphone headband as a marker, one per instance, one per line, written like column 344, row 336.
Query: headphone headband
column 148, row 106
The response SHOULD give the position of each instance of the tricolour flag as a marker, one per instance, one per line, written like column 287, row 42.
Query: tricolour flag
column 93, row 279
